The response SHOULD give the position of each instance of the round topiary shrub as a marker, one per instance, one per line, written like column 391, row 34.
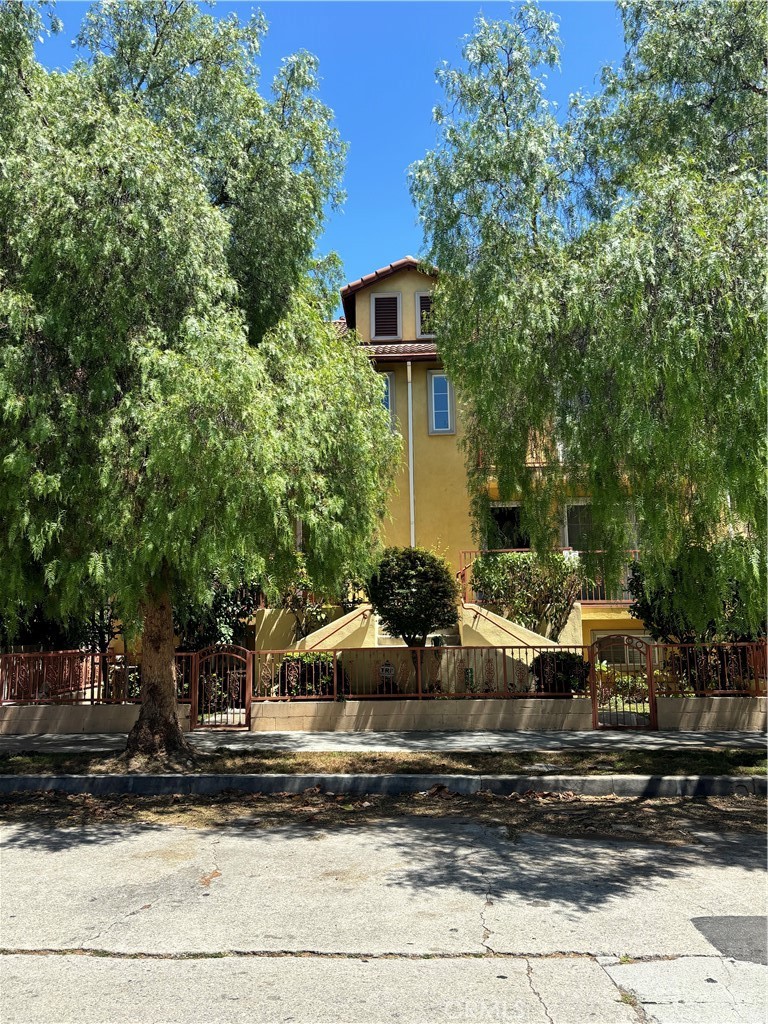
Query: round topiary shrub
column 414, row 592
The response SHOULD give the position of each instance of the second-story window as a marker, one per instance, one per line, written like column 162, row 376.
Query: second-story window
column 578, row 526
column 388, row 400
column 442, row 419
column 424, row 315
column 507, row 528
column 385, row 316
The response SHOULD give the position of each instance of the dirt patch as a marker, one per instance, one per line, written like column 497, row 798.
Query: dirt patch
column 673, row 820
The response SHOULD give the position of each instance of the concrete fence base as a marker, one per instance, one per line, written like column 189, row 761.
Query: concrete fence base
column 518, row 715
column 713, row 714
column 39, row 719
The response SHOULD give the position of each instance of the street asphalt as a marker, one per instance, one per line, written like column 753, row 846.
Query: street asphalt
column 414, row 921
column 479, row 742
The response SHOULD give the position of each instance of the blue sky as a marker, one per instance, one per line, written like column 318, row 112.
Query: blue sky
column 377, row 61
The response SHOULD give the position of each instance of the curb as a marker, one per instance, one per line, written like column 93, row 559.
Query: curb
column 389, row 785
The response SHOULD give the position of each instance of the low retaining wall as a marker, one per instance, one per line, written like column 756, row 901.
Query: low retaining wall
column 37, row 719
column 518, row 715
column 713, row 714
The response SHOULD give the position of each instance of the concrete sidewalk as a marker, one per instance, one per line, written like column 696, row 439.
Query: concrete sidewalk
column 210, row 740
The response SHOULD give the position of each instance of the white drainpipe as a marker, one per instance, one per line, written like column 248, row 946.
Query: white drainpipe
column 411, row 495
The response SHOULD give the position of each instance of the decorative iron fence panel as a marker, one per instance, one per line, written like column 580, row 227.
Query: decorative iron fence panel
column 621, row 676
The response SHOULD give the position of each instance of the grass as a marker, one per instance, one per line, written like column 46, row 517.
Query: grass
column 705, row 761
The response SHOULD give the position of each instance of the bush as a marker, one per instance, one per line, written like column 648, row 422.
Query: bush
column 537, row 591
column 310, row 674
column 414, row 592
column 560, row 673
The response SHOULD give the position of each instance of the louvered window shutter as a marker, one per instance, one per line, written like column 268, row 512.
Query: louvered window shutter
column 425, row 314
column 385, row 316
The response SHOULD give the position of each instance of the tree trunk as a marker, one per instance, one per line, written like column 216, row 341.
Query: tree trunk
column 157, row 730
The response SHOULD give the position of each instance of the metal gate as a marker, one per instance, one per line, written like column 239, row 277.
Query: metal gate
column 621, row 683
column 221, row 688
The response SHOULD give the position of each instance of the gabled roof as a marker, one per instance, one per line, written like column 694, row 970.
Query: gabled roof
column 349, row 290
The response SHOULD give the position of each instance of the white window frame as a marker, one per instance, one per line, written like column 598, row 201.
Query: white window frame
column 431, row 375
column 387, row 337
column 389, row 374
column 417, row 301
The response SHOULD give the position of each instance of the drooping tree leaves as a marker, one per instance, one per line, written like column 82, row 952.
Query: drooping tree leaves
column 600, row 306
column 172, row 399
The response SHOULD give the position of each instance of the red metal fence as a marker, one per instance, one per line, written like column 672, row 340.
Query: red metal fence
column 622, row 676
column 79, row 677
column 375, row 673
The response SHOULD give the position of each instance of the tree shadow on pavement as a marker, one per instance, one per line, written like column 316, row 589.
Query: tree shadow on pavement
column 429, row 853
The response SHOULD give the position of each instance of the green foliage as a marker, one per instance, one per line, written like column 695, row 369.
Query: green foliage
column 414, row 592
column 709, row 595
column 299, row 598
column 220, row 622
column 310, row 674
column 35, row 630
column 608, row 268
column 537, row 591
column 560, row 672
column 171, row 397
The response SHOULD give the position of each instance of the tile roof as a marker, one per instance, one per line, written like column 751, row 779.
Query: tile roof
column 348, row 291
column 402, row 350
column 340, row 326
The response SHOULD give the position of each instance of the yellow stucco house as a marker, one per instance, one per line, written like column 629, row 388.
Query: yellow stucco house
column 389, row 309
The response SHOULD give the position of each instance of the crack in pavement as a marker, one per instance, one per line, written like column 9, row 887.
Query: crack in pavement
column 487, row 903
column 629, row 996
column 290, row 953
column 529, row 976
column 193, row 886
column 487, row 954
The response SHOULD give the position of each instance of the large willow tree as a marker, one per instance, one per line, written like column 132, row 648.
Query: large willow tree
column 602, row 289
column 172, row 398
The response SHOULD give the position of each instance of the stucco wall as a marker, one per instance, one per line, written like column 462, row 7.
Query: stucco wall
column 356, row 629
column 482, row 628
column 572, row 633
column 612, row 619
column 713, row 714
column 407, row 282
column 396, row 715
column 442, row 514
column 38, row 719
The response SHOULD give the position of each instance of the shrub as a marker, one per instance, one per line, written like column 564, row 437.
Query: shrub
column 537, row 591
column 560, row 673
column 310, row 674
column 414, row 592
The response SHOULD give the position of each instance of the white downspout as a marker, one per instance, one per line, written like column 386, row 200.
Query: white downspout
column 411, row 495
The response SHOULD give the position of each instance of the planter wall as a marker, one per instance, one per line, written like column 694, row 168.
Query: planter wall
column 520, row 714
column 20, row 719
column 712, row 714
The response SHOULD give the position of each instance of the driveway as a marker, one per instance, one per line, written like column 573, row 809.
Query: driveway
column 408, row 920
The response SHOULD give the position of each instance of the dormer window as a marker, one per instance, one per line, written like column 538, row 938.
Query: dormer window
column 386, row 320
column 424, row 315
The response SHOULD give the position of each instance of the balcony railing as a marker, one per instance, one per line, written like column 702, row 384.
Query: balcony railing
column 593, row 591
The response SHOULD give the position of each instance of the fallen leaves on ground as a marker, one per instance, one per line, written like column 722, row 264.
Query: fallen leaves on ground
column 670, row 820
